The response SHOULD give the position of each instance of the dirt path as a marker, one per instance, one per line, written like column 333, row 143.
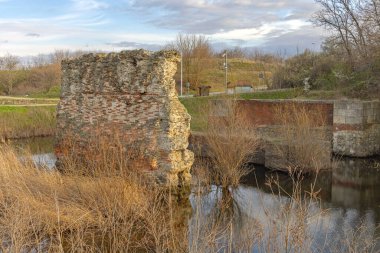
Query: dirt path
column 27, row 98
column 30, row 105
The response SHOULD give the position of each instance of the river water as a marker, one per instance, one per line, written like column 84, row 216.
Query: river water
column 350, row 193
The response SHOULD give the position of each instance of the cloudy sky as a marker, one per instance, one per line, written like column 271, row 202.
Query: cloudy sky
column 30, row 27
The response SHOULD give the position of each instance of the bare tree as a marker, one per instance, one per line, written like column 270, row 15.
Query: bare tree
column 59, row 55
column 371, row 14
column 9, row 65
column 355, row 25
column 238, row 52
column 196, row 53
column 39, row 61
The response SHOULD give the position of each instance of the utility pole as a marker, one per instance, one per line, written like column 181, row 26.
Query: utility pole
column 226, row 70
column 181, row 71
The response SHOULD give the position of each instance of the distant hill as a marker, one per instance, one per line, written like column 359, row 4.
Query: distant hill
column 240, row 71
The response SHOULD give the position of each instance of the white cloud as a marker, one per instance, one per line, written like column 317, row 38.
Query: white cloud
column 261, row 32
column 83, row 24
column 87, row 5
column 210, row 16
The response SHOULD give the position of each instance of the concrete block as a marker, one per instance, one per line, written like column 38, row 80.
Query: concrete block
column 352, row 120
column 340, row 104
column 339, row 119
column 276, row 156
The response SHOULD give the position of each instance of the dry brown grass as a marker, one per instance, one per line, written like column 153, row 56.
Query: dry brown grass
column 53, row 212
column 106, row 203
column 47, row 211
column 304, row 141
column 26, row 121
column 230, row 140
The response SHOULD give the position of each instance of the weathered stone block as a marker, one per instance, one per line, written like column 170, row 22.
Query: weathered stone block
column 340, row 119
column 276, row 155
column 131, row 96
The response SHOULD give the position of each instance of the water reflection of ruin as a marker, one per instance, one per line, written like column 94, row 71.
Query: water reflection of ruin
column 355, row 185
column 349, row 193
column 258, row 220
column 351, row 184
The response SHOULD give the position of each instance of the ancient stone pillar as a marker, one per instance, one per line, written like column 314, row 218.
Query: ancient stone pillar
column 130, row 95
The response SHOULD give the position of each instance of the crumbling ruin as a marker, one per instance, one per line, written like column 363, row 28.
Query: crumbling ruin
column 130, row 95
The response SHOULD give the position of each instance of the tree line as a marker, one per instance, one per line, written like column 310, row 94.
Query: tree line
column 350, row 58
column 38, row 74
column 42, row 72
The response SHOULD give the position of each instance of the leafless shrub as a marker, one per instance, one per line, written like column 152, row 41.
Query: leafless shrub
column 303, row 138
column 231, row 141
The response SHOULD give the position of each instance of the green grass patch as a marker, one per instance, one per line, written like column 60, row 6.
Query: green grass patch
column 277, row 94
column 53, row 92
column 12, row 109
column 196, row 107
column 27, row 121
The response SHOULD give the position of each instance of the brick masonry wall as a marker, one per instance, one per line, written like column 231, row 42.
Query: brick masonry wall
column 353, row 126
column 129, row 96
column 349, row 128
column 276, row 148
column 266, row 115
column 264, row 112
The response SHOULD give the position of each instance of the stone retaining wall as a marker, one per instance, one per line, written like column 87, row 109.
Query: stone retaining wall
column 356, row 128
column 130, row 98
column 277, row 150
column 347, row 127
column 354, row 124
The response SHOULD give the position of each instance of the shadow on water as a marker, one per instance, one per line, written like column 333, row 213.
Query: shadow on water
column 350, row 193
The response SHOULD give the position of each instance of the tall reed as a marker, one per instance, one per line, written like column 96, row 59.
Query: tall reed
column 304, row 138
column 23, row 122
column 231, row 141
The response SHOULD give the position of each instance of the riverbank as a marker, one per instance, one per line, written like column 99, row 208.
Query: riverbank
column 24, row 121
column 93, row 213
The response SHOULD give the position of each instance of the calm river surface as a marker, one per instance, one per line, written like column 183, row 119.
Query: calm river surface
column 350, row 193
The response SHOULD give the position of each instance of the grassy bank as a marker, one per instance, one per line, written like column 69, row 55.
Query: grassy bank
column 26, row 121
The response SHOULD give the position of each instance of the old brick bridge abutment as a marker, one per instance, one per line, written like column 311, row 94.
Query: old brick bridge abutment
column 350, row 128
column 129, row 95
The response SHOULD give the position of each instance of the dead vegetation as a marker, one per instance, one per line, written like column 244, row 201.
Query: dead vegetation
column 304, row 138
column 230, row 140
column 109, row 205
